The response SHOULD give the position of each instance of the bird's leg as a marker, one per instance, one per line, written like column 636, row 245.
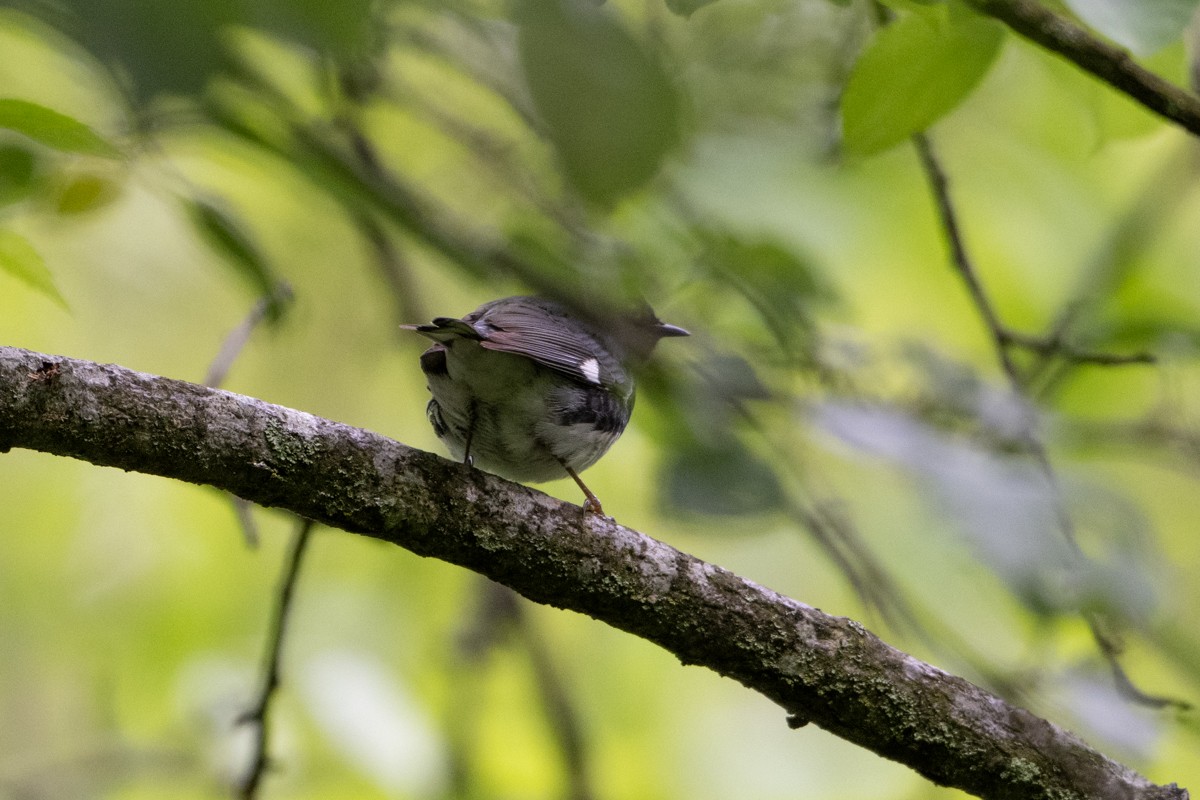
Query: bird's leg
column 592, row 504
column 470, row 462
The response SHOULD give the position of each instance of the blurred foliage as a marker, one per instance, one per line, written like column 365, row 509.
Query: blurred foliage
column 838, row 426
column 51, row 128
column 21, row 260
column 942, row 53
column 609, row 108
column 224, row 233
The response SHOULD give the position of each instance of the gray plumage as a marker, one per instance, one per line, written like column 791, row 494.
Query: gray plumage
column 528, row 389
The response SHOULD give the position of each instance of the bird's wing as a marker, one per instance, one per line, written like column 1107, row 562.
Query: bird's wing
column 545, row 339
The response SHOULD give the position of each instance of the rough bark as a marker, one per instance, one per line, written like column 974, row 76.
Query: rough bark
column 819, row 668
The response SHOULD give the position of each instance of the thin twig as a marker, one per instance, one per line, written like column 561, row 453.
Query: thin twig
column 959, row 256
column 232, row 347
column 1113, row 648
column 1153, row 429
column 218, row 370
column 1003, row 337
column 1106, row 642
column 1158, row 202
column 259, row 715
column 244, row 511
column 1055, row 347
column 1111, row 64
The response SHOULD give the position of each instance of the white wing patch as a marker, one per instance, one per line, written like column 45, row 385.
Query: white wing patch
column 590, row 369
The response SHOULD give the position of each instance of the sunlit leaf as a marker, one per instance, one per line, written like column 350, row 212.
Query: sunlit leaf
column 19, row 259
column 85, row 193
column 1144, row 26
column 52, row 128
column 913, row 73
column 611, row 111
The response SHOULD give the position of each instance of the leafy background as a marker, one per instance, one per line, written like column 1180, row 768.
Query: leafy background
column 837, row 427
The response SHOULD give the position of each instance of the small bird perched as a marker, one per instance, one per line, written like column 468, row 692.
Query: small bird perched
column 532, row 390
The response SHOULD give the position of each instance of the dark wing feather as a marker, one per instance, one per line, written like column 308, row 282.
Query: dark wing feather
column 549, row 339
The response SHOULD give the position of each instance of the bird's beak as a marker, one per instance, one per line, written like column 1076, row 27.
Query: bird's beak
column 664, row 330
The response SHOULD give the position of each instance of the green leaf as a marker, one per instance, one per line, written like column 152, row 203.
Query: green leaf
column 226, row 236
column 1144, row 26
column 611, row 111
column 18, row 167
column 52, row 128
column 914, row 72
column 85, row 193
column 19, row 259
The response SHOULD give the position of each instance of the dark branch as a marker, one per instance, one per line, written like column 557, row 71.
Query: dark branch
column 259, row 716
column 959, row 256
column 1109, row 63
column 1054, row 346
column 1003, row 338
column 237, row 339
column 828, row 670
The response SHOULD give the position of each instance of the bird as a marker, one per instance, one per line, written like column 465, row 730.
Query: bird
column 533, row 390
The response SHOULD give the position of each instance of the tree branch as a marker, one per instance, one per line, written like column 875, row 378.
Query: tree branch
column 1003, row 337
column 818, row 668
column 1109, row 63
column 960, row 258
column 259, row 715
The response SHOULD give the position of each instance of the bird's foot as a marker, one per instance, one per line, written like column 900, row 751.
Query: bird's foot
column 592, row 505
